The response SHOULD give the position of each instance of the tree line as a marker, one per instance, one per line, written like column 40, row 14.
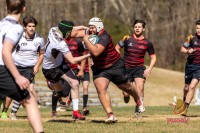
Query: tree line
column 169, row 22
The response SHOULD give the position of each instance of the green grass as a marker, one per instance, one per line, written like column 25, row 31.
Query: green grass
column 153, row 120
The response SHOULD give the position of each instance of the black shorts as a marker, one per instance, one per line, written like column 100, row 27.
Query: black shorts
column 116, row 73
column 55, row 74
column 86, row 77
column 135, row 72
column 192, row 71
column 8, row 86
column 66, row 87
column 27, row 72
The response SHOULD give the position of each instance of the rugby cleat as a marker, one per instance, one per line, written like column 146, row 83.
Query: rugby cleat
column 13, row 116
column 53, row 114
column 77, row 115
column 86, row 111
column 4, row 115
column 111, row 119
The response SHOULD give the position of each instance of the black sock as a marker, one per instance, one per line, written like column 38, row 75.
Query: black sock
column 187, row 104
column 5, row 109
column 85, row 99
column 55, row 98
column 184, row 99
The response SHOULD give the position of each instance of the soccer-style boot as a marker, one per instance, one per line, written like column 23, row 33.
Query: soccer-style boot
column 86, row 111
column 139, row 108
column 53, row 114
column 4, row 115
column 77, row 115
column 111, row 119
column 13, row 116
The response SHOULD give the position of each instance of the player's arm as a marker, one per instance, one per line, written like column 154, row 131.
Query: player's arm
column 78, row 31
column 41, row 57
column 120, row 45
column 8, row 60
column 82, row 67
column 153, row 59
column 96, row 49
column 75, row 60
column 39, row 62
column 118, row 48
column 186, row 48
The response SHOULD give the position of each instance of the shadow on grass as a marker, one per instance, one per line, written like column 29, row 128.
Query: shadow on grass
column 193, row 116
column 62, row 121
column 64, row 115
column 22, row 117
column 98, row 121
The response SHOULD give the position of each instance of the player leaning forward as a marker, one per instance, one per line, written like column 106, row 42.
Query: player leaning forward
column 54, row 66
column 108, row 66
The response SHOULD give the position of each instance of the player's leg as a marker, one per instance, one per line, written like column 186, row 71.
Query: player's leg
column 6, row 104
column 104, row 98
column 74, row 83
column 191, row 92
column 85, row 84
column 55, row 97
column 185, row 91
column 33, row 113
column 15, row 108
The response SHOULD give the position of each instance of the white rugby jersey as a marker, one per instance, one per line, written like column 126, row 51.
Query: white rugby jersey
column 27, row 50
column 9, row 29
column 55, row 48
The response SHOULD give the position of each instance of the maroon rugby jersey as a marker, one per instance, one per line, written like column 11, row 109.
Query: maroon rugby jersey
column 76, row 47
column 135, row 50
column 195, row 44
column 109, row 55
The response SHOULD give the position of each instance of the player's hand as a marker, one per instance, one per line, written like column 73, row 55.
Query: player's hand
column 80, row 74
column 86, row 37
column 191, row 51
column 35, row 70
column 22, row 82
column 147, row 72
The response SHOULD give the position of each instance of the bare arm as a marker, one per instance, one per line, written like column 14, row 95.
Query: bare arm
column 75, row 60
column 82, row 67
column 8, row 60
column 152, row 64
column 118, row 48
column 187, row 50
column 40, row 59
column 96, row 49
column 78, row 31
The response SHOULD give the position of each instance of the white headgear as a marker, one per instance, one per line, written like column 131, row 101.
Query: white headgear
column 96, row 22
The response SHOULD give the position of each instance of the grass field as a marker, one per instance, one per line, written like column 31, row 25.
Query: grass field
column 152, row 121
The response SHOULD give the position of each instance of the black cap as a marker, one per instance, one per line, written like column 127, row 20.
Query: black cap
column 65, row 27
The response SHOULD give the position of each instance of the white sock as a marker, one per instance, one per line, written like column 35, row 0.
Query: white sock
column 142, row 99
column 75, row 104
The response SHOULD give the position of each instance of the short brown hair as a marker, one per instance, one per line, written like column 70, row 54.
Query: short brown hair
column 15, row 6
column 29, row 19
column 198, row 22
column 139, row 21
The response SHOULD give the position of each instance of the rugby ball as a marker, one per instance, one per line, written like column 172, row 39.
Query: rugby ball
column 93, row 39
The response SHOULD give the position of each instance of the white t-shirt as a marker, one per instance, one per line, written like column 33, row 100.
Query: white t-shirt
column 26, row 52
column 55, row 48
column 9, row 29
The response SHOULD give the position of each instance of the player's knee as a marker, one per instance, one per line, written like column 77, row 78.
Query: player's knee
column 75, row 84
